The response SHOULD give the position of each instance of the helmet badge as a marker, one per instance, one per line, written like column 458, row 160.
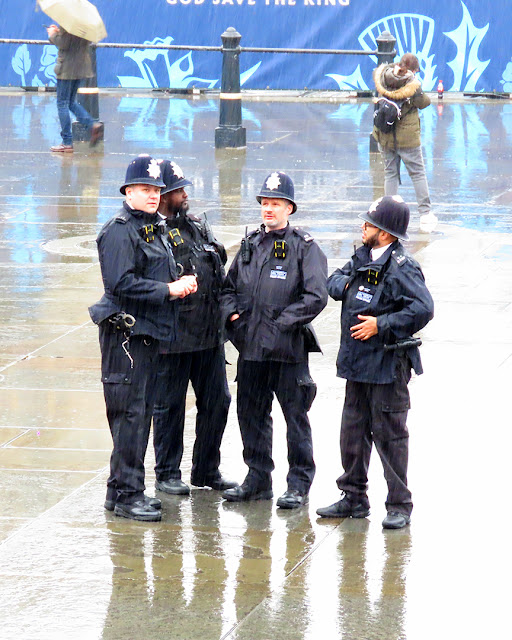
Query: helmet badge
column 273, row 181
column 374, row 205
column 176, row 169
column 154, row 169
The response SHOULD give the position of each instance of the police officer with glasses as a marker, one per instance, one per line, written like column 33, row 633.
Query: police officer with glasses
column 385, row 301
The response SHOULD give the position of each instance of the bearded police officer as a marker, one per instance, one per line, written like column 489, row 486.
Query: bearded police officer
column 385, row 301
column 136, row 312
column 275, row 287
column 197, row 354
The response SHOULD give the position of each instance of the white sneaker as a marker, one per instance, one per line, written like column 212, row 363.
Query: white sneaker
column 428, row 222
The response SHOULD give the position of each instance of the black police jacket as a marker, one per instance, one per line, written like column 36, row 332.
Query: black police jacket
column 197, row 252
column 392, row 289
column 277, row 294
column 136, row 265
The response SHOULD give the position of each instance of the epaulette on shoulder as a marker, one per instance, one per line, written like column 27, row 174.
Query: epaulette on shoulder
column 305, row 235
column 122, row 217
column 401, row 256
column 193, row 218
column 255, row 232
column 196, row 223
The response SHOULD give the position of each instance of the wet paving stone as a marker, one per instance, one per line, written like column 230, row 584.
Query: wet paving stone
column 212, row 570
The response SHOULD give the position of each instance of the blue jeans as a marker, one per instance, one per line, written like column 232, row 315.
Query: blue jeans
column 66, row 94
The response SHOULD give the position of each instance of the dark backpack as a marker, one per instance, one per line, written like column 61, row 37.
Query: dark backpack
column 387, row 113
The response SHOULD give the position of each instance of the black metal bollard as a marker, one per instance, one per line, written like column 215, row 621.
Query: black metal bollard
column 386, row 54
column 87, row 96
column 230, row 132
column 386, row 48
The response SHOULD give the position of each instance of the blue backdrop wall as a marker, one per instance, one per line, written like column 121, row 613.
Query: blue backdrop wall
column 466, row 44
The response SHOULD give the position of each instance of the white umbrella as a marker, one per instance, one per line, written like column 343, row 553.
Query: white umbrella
column 79, row 17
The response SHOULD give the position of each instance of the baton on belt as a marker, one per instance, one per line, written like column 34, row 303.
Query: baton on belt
column 403, row 344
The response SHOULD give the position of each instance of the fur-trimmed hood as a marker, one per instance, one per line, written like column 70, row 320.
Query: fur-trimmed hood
column 382, row 76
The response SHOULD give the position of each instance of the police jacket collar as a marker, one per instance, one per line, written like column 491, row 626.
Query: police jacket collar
column 279, row 232
column 377, row 252
column 178, row 219
column 149, row 218
column 273, row 233
column 364, row 260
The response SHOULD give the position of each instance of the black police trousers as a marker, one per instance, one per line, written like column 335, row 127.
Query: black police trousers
column 206, row 370
column 377, row 413
column 295, row 391
column 128, row 387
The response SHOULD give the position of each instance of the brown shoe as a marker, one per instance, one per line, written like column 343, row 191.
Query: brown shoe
column 62, row 148
column 97, row 132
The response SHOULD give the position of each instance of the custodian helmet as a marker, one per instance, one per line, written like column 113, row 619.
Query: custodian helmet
column 143, row 170
column 390, row 214
column 278, row 185
column 173, row 177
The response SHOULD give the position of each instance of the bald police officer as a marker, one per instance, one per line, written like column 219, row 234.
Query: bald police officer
column 136, row 312
column 275, row 287
column 385, row 301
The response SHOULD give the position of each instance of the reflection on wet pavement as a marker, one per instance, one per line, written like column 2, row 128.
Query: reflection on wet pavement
column 212, row 570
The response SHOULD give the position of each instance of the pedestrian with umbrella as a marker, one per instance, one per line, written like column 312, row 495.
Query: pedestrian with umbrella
column 80, row 24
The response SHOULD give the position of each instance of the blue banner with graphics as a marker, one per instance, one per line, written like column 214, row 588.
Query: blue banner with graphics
column 460, row 42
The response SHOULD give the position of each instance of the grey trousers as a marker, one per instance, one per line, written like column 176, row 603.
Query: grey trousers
column 413, row 161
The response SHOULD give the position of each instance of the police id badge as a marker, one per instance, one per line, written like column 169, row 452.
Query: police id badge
column 364, row 294
column 278, row 273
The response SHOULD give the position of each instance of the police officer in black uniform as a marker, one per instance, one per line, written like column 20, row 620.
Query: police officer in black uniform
column 275, row 287
column 197, row 354
column 385, row 301
column 136, row 312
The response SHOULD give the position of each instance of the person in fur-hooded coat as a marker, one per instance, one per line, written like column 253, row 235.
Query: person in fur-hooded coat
column 398, row 82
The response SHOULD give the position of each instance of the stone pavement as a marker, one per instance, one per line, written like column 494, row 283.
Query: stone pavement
column 212, row 570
